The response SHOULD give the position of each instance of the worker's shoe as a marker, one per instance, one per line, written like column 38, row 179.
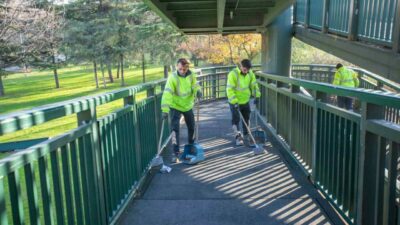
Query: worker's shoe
column 239, row 140
column 175, row 158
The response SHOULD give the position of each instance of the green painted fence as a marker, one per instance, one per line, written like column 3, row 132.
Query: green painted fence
column 368, row 80
column 374, row 21
column 87, row 175
column 352, row 158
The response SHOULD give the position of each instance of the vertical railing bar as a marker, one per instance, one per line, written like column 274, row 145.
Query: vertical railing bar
column 390, row 190
column 58, row 198
column 46, row 191
column 353, row 19
column 32, row 194
column 67, row 184
column 3, row 209
column 14, row 186
column 107, row 164
column 76, row 182
column 109, row 127
column 396, row 29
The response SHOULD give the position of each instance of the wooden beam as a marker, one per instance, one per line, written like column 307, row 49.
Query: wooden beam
column 220, row 14
column 250, row 4
column 238, row 28
column 279, row 7
column 182, row 6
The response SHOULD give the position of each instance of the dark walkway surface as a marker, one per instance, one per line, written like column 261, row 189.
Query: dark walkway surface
column 231, row 187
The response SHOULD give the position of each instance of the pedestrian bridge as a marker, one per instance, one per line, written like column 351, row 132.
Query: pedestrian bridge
column 323, row 165
column 322, row 162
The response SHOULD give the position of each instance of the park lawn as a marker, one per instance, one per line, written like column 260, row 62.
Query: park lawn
column 37, row 89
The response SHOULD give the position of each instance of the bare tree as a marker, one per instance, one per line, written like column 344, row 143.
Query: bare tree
column 25, row 33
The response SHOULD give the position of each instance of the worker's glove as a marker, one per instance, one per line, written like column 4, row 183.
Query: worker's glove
column 255, row 101
column 236, row 106
column 199, row 94
column 165, row 116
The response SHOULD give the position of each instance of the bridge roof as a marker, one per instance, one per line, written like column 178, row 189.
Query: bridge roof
column 218, row 16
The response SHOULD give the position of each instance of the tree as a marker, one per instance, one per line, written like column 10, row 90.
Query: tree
column 49, row 56
column 198, row 46
column 22, row 32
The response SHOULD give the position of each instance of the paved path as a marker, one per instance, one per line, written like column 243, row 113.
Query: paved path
column 231, row 187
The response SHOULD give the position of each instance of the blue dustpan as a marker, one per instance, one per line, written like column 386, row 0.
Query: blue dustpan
column 192, row 154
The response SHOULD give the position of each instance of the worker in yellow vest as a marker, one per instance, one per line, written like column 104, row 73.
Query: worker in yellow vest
column 241, row 85
column 346, row 78
column 178, row 99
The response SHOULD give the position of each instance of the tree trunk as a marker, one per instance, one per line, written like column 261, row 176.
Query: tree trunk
column 95, row 73
column 143, row 68
column 56, row 78
column 110, row 76
column 2, row 93
column 121, row 66
column 55, row 72
column 118, row 67
column 102, row 74
column 166, row 71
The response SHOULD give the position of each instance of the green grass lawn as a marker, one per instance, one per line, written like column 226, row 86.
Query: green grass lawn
column 38, row 88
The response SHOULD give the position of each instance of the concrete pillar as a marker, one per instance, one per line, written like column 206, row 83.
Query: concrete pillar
column 277, row 45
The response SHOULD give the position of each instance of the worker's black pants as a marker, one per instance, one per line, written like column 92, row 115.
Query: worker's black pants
column 245, row 110
column 345, row 102
column 190, row 123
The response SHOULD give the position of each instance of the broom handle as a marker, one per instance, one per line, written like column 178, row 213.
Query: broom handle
column 247, row 127
column 197, row 120
column 161, row 136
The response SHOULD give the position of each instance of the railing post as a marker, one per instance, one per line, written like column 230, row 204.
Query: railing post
column 294, row 89
column 152, row 93
column 318, row 97
column 130, row 100
column 214, row 86
column 90, row 117
column 276, row 124
column 325, row 16
column 396, row 29
column 307, row 14
column 353, row 20
column 295, row 12
column 371, row 168
column 263, row 99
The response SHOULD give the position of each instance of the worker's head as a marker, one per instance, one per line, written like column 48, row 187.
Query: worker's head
column 338, row 66
column 182, row 65
column 245, row 66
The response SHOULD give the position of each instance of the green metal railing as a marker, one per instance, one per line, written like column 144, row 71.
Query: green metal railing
column 352, row 158
column 316, row 13
column 325, row 74
column 87, row 175
column 374, row 21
